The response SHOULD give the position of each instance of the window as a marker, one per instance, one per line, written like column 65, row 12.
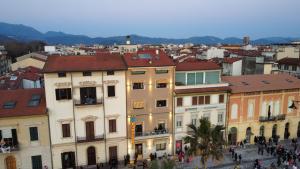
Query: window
column 34, row 101
column 138, row 105
column 34, row 136
column 250, row 110
column 194, row 100
column 63, row 94
column 199, row 78
column 138, row 86
column 110, row 72
column 111, row 91
column 61, row 74
column 161, row 85
column 212, row 77
column 90, row 130
column 112, row 126
column 277, row 107
column 179, row 101
column 206, row 116
column 286, row 67
column 161, row 103
column 234, row 109
column 161, row 146
column 191, row 78
column 220, row 118
column 294, row 68
column 9, row 105
column 221, row 98
column 279, row 67
column 88, row 95
column 161, row 71
column 180, row 79
column 207, row 99
column 36, row 162
column 194, row 119
column 201, row 100
column 138, row 72
column 290, row 102
column 87, row 73
column 66, row 130
column 179, row 121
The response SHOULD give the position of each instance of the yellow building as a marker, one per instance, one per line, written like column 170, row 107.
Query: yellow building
column 263, row 105
column 24, row 131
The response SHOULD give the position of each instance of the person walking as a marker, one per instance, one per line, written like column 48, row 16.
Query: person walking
column 240, row 158
column 235, row 157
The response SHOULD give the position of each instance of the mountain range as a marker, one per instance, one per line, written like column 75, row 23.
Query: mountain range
column 19, row 32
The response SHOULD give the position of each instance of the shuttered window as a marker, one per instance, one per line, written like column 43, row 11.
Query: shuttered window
column 66, row 130
column 221, row 98
column 207, row 99
column 194, row 100
column 112, row 126
column 201, row 100
column 36, row 162
column 179, row 101
column 111, row 91
column 34, row 136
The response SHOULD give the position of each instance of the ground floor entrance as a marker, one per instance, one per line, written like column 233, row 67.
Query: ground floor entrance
column 68, row 160
column 11, row 162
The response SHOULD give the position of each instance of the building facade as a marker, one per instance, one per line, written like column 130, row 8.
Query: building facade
column 199, row 93
column 259, row 105
column 86, row 99
column 24, row 131
column 5, row 61
column 149, row 103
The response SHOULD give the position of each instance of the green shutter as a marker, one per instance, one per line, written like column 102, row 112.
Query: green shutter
column 36, row 162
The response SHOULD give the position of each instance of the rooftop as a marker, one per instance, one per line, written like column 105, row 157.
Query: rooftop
column 148, row 58
column 196, row 64
column 256, row 83
column 230, row 60
column 99, row 62
column 202, row 90
column 289, row 61
column 32, row 102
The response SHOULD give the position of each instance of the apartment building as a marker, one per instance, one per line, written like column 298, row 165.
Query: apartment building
column 199, row 93
column 263, row 105
column 150, row 84
column 24, row 132
column 86, row 100
column 290, row 66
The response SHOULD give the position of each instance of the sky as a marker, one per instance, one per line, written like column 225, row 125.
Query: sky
column 158, row 18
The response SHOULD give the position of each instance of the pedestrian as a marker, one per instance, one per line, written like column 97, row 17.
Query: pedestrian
column 235, row 157
column 232, row 153
column 240, row 158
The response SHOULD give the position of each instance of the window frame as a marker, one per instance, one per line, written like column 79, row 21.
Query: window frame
column 113, row 128
column 156, row 103
column 34, row 133
column 87, row 73
column 114, row 94
column 68, row 130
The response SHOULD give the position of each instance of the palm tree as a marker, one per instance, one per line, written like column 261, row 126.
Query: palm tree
column 205, row 141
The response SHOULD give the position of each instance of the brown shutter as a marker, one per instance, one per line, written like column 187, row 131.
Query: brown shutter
column 194, row 100
column 207, row 99
column 221, row 98
column 201, row 100
column 179, row 101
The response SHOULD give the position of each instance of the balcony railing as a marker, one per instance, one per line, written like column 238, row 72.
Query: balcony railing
column 87, row 102
column 8, row 149
column 151, row 133
column 90, row 139
column 272, row 118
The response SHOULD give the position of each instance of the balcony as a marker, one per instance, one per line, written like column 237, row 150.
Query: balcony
column 151, row 134
column 88, row 101
column 90, row 139
column 9, row 149
column 272, row 118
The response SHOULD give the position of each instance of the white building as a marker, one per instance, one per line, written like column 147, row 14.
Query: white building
column 232, row 66
column 199, row 93
column 212, row 52
column 86, row 100
column 5, row 61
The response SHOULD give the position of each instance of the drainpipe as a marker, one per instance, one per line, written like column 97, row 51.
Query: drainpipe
column 104, row 119
column 49, row 137
column 226, row 118
column 75, row 133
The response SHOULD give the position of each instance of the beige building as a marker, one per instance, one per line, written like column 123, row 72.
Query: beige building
column 150, row 84
column 24, row 131
column 287, row 51
column 36, row 60
column 86, row 100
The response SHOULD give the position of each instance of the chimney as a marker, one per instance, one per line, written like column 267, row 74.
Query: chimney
column 157, row 51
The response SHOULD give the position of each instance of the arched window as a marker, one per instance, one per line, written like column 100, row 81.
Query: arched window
column 234, row 111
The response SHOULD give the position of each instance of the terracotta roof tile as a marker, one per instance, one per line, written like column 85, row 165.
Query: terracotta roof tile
column 103, row 61
column 230, row 60
column 253, row 83
column 22, row 97
column 196, row 64
column 151, row 59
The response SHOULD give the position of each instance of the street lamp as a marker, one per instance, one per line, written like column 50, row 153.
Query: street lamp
column 293, row 106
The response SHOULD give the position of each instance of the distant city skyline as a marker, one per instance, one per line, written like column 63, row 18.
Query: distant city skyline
column 156, row 18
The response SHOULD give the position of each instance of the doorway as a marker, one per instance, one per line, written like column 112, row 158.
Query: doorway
column 262, row 131
column 68, row 160
column 248, row 135
column 91, row 156
column 11, row 162
column 89, row 129
column 139, row 149
column 274, row 131
column 232, row 136
column 138, row 130
column 286, row 131
column 113, row 153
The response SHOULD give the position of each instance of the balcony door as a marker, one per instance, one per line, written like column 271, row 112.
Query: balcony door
column 138, row 130
column 11, row 162
column 89, row 129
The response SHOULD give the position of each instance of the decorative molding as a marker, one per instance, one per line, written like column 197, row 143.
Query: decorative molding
column 33, row 123
column 112, row 116
column 62, row 84
column 109, row 82
column 69, row 120
column 88, row 83
column 89, row 118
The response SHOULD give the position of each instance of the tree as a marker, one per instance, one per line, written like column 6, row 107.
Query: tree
column 168, row 164
column 205, row 141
